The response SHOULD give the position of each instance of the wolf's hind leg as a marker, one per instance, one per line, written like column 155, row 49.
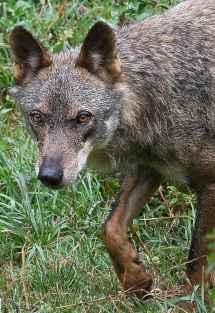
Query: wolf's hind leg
column 136, row 190
column 199, row 250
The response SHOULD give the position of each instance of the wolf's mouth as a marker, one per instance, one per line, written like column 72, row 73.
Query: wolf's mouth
column 50, row 182
column 52, row 186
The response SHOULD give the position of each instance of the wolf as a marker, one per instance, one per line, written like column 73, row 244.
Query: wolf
column 139, row 100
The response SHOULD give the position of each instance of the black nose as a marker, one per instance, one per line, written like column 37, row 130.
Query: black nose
column 51, row 172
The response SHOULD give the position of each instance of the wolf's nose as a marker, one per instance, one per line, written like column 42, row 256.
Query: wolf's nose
column 50, row 173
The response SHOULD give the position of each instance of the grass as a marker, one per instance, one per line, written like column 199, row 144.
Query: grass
column 52, row 258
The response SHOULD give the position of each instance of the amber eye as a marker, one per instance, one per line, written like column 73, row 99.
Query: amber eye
column 82, row 118
column 36, row 118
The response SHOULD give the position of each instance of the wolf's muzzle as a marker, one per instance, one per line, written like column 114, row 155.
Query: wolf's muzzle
column 51, row 172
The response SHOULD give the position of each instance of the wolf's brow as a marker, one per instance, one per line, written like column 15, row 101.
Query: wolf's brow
column 44, row 108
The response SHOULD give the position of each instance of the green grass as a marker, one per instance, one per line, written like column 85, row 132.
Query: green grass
column 52, row 258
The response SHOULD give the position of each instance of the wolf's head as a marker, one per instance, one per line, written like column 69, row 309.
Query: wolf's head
column 68, row 99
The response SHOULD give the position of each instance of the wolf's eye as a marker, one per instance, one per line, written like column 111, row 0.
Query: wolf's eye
column 36, row 118
column 82, row 118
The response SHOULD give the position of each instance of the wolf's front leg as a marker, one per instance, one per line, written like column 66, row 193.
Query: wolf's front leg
column 136, row 190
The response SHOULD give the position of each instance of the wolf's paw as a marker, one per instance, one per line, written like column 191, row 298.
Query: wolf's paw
column 136, row 280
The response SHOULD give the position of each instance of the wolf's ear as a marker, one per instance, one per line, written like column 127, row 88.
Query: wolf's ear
column 28, row 54
column 99, row 52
